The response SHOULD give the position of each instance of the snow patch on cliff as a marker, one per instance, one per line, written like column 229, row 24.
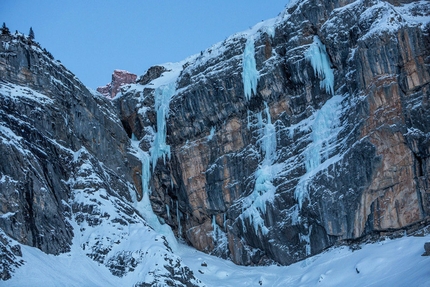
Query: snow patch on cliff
column 16, row 92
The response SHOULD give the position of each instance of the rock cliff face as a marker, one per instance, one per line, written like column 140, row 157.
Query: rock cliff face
column 119, row 78
column 310, row 129
column 66, row 173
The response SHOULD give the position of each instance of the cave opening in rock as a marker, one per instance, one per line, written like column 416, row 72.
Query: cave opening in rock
column 127, row 128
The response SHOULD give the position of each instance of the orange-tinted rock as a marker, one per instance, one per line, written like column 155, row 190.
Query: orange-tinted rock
column 119, row 78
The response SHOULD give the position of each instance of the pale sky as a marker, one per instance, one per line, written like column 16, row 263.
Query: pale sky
column 94, row 37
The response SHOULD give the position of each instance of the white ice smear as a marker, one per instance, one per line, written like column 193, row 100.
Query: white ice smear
column 325, row 128
column 264, row 190
column 211, row 134
column 317, row 55
column 249, row 69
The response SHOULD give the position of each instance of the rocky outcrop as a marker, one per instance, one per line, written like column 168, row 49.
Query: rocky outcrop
column 66, row 173
column 308, row 130
column 426, row 249
column 119, row 78
column 152, row 74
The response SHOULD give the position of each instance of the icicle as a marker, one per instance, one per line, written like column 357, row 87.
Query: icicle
column 178, row 218
column 269, row 139
column 214, row 228
column 146, row 173
column 317, row 55
column 249, row 69
column 259, row 121
column 307, row 240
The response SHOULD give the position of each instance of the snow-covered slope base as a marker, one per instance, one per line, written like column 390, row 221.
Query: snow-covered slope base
column 387, row 263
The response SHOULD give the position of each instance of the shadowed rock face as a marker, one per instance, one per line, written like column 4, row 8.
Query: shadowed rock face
column 67, row 171
column 348, row 162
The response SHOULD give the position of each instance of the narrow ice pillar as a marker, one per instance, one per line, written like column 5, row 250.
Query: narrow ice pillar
column 249, row 69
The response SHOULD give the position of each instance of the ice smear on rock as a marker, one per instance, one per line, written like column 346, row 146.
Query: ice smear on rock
column 317, row 55
column 249, row 69
column 325, row 129
column 264, row 190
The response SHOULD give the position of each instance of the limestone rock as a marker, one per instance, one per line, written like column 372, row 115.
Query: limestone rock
column 309, row 130
column 119, row 78
column 325, row 149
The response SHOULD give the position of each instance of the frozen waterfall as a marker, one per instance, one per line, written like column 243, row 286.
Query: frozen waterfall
column 249, row 69
column 317, row 55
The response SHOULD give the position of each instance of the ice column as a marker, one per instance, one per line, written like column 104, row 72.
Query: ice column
column 214, row 228
column 307, row 239
column 317, row 55
column 249, row 69
column 325, row 129
column 159, row 148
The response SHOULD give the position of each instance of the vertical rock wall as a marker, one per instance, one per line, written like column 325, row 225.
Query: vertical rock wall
column 352, row 133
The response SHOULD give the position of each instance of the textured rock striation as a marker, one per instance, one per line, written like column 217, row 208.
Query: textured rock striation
column 66, row 170
column 308, row 130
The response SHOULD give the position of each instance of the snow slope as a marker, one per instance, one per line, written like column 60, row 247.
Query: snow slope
column 387, row 263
